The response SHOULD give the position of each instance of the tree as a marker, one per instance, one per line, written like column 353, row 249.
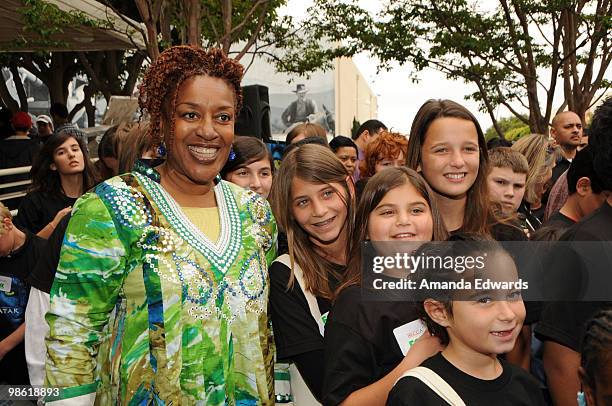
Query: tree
column 506, row 125
column 208, row 23
column 10, row 70
column 109, row 72
column 253, row 25
column 515, row 54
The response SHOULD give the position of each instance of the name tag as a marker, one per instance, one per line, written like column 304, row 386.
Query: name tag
column 408, row 333
column 5, row 283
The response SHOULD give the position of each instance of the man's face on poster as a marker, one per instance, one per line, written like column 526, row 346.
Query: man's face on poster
column 301, row 96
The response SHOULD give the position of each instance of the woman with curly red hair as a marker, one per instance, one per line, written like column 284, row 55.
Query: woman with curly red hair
column 161, row 293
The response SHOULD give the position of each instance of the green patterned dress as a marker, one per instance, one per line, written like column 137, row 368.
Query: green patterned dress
column 146, row 310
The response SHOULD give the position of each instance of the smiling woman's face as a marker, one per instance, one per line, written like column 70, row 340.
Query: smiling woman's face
column 204, row 129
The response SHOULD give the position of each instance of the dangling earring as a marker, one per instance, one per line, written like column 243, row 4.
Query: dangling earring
column 232, row 154
column 161, row 149
column 581, row 398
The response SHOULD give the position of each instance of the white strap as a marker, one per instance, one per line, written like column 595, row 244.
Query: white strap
column 437, row 384
column 313, row 305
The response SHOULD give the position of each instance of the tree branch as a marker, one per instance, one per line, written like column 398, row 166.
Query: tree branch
column 226, row 17
column 6, row 97
column 23, row 99
column 256, row 32
column 561, row 107
column 212, row 26
column 603, row 93
column 126, row 20
column 237, row 28
column 193, row 17
column 133, row 71
column 97, row 83
column 144, row 8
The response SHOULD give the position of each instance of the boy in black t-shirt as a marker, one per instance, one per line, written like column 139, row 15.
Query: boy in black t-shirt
column 477, row 325
column 18, row 254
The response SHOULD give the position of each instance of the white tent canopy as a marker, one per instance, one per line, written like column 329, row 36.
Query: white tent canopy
column 123, row 35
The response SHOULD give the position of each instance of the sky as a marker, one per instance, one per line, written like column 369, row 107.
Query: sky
column 398, row 98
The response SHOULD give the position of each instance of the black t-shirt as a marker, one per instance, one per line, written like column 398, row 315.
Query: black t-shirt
column 14, row 293
column 360, row 346
column 559, row 220
column 38, row 209
column 513, row 387
column 44, row 272
column 14, row 289
column 564, row 322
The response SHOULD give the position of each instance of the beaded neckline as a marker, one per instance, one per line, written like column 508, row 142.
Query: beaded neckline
column 221, row 253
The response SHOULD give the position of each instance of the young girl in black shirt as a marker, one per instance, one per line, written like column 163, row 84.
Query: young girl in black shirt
column 313, row 201
column 476, row 325
column 363, row 357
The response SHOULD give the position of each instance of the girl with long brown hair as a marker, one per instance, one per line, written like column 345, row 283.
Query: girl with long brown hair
column 448, row 148
column 61, row 173
column 312, row 200
column 363, row 354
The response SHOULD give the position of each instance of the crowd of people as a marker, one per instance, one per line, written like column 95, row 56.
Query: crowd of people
column 186, row 263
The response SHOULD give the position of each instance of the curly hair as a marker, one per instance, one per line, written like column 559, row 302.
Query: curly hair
column 386, row 145
column 158, row 91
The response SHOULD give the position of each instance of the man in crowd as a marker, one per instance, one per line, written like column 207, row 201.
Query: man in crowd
column 59, row 113
column 566, row 130
column 364, row 135
column 44, row 124
column 16, row 151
